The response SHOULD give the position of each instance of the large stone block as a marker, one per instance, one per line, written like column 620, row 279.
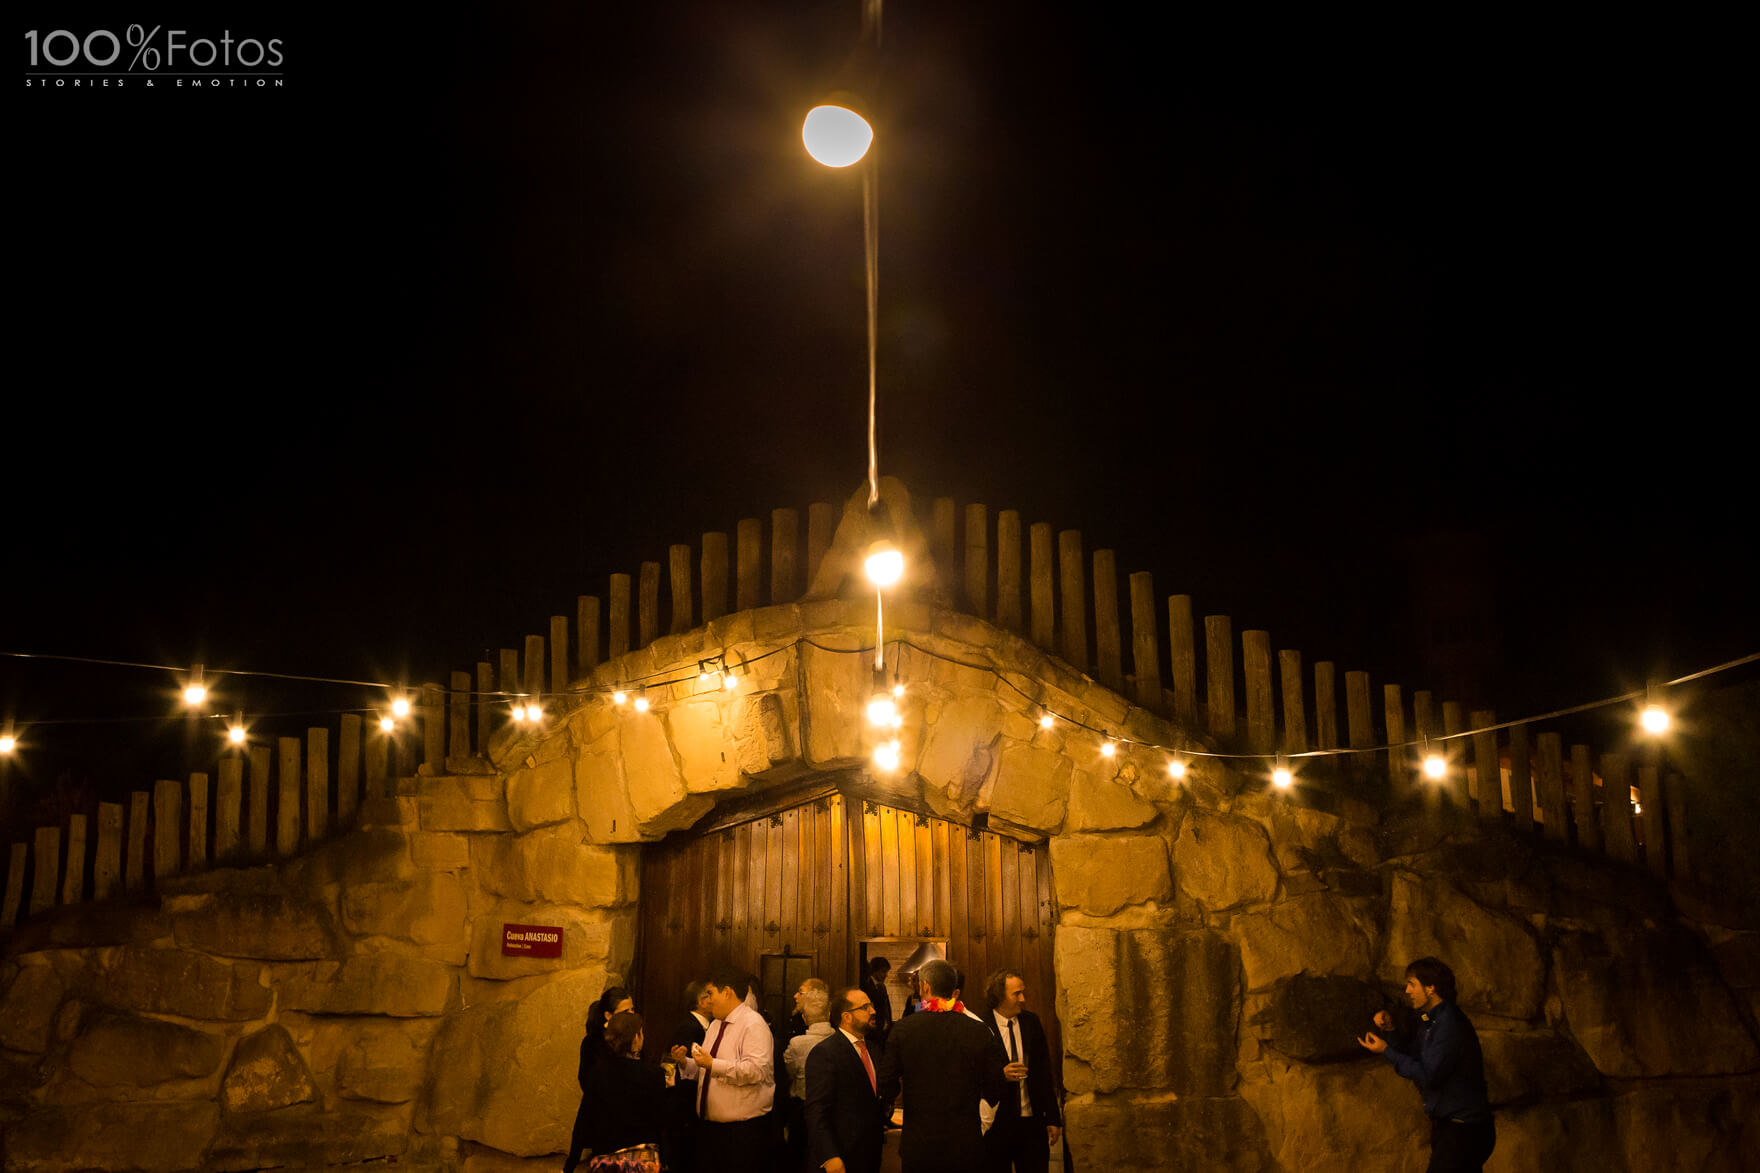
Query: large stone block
column 176, row 981
column 404, row 987
column 555, row 864
column 1338, row 1118
column 149, row 1138
column 268, row 926
column 543, row 793
column 1530, row 1065
column 384, row 1060
column 1100, row 874
column 836, row 686
column 1562, row 1134
column 764, row 730
column 267, row 1072
column 960, row 748
column 1223, row 862
column 1495, row 957
column 307, row 1137
column 601, row 794
column 429, row 911
column 703, row 742
column 589, row 938
column 1319, row 933
column 1648, row 1002
column 1701, row 1125
column 505, row 1070
column 1146, row 1133
column 464, row 803
column 122, row 1050
column 657, row 793
column 1316, row 1019
column 1100, row 803
column 28, row 1010
column 361, row 857
column 1031, row 787
column 1162, row 1016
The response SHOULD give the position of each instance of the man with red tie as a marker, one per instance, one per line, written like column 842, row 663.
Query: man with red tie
column 736, row 1079
column 845, row 1118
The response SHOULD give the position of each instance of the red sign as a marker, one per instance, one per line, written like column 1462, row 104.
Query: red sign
column 531, row 941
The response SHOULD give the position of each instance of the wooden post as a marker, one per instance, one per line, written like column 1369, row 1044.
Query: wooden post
column 534, row 666
column 1583, row 801
column 1550, row 751
column 107, row 866
column 586, row 626
column 1295, row 718
column 318, row 772
column 1219, row 674
column 1008, row 570
column 1183, row 659
column 1107, row 639
column 558, row 668
column 1073, row 618
column 1521, row 779
column 46, row 869
column 348, row 757
column 434, row 718
column 378, row 749
column 941, row 517
column 618, row 642
column 821, row 526
column 1616, row 808
column 486, row 685
column 198, row 822
column 1325, row 705
column 287, row 806
column 73, row 885
column 1359, row 722
column 1145, row 643
column 228, row 801
column 978, row 560
column 511, row 685
column 14, row 887
column 458, row 728
column 749, row 536
column 136, row 874
column 714, row 573
column 679, row 574
column 1454, row 722
column 167, row 827
column 259, row 825
column 785, row 543
column 648, row 605
column 1424, row 726
column 1399, row 769
column 1041, row 578
column 1261, row 715
column 1650, row 804
column 1675, row 798
column 1488, row 781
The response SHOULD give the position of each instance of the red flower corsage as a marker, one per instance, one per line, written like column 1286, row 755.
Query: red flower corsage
column 940, row 1005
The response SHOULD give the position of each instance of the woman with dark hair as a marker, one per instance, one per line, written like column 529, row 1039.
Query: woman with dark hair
column 623, row 1105
column 613, row 1001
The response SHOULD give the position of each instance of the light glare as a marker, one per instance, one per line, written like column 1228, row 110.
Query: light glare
column 1282, row 778
column 1108, row 749
column 387, row 724
column 1655, row 719
column 8, row 743
column 881, row 710
column 885, row 566
column 194, row 694
column 236, row 735
column 1434, row 766
column 641, row 704
column 836, row 135
column 618, row 697
column 886, row 755
column 1176, row 768
column 400, row 707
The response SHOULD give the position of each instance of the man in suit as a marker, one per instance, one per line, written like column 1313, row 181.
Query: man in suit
column 845, row 1117
column 1028, row 1121
column 874, row 985
column 682, row 1099
column 947, row 1063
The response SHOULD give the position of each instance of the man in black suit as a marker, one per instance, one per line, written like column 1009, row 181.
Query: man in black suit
column 874, row 985
column 845, row 1118
column 947, row 1063
column 681, row 1133
column 1028, row 1121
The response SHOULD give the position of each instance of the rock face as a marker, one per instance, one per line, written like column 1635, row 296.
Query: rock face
column 1223, row 862
column 28, row 1009
column 1316, row 1019
column 122, row 1050
column 151, row 1137
column 266, row 1073
column 1102, row 874
column 1496, row 958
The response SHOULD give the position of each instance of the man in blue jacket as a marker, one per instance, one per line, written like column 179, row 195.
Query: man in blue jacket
column 1442, row 1057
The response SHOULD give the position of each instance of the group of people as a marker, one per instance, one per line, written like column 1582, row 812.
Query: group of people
column 740, row 1095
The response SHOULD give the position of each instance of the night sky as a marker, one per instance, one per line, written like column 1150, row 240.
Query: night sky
column 367, row 375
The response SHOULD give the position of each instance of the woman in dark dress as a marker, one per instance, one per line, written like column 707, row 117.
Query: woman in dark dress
column 613, row 1001
column 623, row 1104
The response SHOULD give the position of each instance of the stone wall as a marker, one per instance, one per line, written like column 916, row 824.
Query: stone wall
column 1219, row 947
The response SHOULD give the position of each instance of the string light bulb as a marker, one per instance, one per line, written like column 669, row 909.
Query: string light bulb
column 1280, row 774
column 641, row 702
column 1108, row 748
column 400, row 707
column 881, row 709
column 729, row 681
column 886, row 754
column 1176, row 768
column 898, row 690
column 236, row 735
column 194, row 691
column 704, row 673
column 836, row 136
column 619, row 696
column 387, row 724
column 1654, row 718
column 1046, row 720
column 884, row 564
column 1435, row 766
column 8, row 743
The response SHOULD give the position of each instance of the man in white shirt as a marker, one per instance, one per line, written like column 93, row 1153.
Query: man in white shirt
column 735, row 1069
column 1028, row 1121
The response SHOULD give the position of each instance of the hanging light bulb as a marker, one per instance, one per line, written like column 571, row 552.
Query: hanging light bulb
column 236, row 735
column 519, row 713
column 1108, row 748
column 898, row 690
column 729, row 681
column 886, row 754
column 1176, row 768
column 1435, row 765
column 704, row 675
column 642, row 701
column 400, row 707
column 194, row 691
column 1654, row 718
column 387, row 724
column 8, row 742
column 836, row 135
column 881, row 709
column 534, row 712
column 619, row 696
column 1046, row 720
column 884, row 564
column 1280, row 774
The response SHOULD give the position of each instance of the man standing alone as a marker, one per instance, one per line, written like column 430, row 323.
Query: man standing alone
column 947, row 1063
column 1028, row 1122
column 1444, row 1060
column 735, row 1072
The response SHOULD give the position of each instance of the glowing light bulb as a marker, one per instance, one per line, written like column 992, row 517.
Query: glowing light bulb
column 519, row 712
column 400, row 707
column 886, row 755
column 1108, row 749
column 898, row 690
column 387, row 724
column 641, row 704
column 1637, row 808
column 730, row 682
column 704, row 676
column 1176, row 768
column 884, row 564
column 534, row 712
column 1046, row 721
column 836, row 135
column 194, row 694
column 1435, row 766
column 235, row 735
column 881, row 710
column 8, row 743
column 1654, row 719
column 618, row 697
column 898, row 720
column 1282, row 778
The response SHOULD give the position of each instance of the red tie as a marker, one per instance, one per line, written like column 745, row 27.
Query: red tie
column 862, row 1049
column 703, row 1096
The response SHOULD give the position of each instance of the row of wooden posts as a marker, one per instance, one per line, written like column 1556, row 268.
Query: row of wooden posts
column 1048, row 597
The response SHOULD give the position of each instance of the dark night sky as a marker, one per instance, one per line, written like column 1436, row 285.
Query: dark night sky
column 368, row 374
